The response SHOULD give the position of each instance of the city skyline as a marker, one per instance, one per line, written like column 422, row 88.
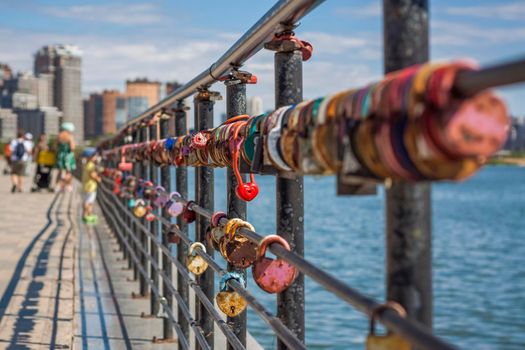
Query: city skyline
column 167, row 41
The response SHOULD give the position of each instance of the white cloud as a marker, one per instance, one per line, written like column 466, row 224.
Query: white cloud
column 507, row 11
column 461, row 34
column 372, row 10
column 124, row 14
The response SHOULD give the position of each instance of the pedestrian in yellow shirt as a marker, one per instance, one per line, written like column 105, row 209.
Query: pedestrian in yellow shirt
column 90, row 180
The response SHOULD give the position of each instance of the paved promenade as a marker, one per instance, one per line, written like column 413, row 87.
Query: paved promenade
column 62, row 284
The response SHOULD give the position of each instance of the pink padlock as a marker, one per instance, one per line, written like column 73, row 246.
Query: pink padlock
column 273, row 276
column 173, row 207
column 123, row 166
column 162, row 198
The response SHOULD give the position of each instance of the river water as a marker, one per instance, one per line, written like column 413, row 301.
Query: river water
column 478, row 256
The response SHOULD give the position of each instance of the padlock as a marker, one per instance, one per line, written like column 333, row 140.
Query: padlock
column 131, row 203
column 140, row 208
column 390, row 340
column 162, row 198
column 171, row 236
column 230, row 302
column 117, row 182
column 123, row 165
column 150, row 216
column 235, row 248
column 173, row 207
column 216, row 218
column 199, row 140
column 188, row 215
column 149, row 190
column 273, row 276
column 210, row 232
column 196, row 263
column 131, row 184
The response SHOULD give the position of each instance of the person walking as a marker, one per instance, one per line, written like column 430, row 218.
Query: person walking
column 65, row 157
column 19, row 157
column 45, row 160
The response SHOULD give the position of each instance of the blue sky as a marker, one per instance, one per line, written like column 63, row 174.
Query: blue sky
column 167, row 40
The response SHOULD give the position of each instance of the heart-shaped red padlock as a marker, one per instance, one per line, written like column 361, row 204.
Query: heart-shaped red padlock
column 273, row 276
column 247, row 191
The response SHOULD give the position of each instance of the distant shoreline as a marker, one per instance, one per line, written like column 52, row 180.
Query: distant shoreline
column 499, row 160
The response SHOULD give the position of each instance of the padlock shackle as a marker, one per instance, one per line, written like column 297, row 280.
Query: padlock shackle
column 174, row 193
column 216, row 218
column 376, row 311
column 194, row 245
column 270, row 239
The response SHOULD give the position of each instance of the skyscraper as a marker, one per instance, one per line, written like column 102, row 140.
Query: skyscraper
column 144, row 88
column 63, row 63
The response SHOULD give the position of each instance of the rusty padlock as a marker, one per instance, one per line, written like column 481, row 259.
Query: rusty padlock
column 171, row 236
column 235, row 248
column 139, row 210
column 390, row 340
column 196, row 263
column 215, row 231
column 188, row 215
column 230, row 302
column 173, row 207
column 273, row 276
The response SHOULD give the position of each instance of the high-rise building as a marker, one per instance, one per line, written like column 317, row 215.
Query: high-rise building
column 63, row 65
column 170, row 87
column 109, row 111
column 8, row 121
column 255, row 106
column 136, row 105
column 93, row 117
column 121, row 114
column 5, row 73
column 144, row 88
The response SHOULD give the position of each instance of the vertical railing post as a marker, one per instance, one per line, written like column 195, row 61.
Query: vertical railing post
column 136, row 172
column 289, row 192
column 154, row 226
column 204, row 197
column 236, row 105
column 165, row 182
column 408, row 206
column 143, row 174
column 181, row 179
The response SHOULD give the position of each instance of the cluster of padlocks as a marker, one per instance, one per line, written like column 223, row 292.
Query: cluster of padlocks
column 409, row 126
column 271, row 275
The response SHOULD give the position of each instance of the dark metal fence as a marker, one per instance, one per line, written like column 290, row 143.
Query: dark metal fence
column 146, row 245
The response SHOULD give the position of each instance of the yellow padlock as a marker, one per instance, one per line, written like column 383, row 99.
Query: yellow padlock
column 229, row 301
column 139, row 210
column 196, row 263
column 390, row 340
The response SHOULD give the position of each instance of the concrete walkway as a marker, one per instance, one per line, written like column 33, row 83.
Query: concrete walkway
column 62, row 285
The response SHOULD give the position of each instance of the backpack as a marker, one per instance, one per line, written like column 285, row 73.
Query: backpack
column 20, row 150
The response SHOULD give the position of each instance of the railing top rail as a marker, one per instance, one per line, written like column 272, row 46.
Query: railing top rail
column 283, row 15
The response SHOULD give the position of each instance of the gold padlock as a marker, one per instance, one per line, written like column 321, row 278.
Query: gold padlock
column 390, row 340
column 230, row 302
column 140, row 208
column 196, row 263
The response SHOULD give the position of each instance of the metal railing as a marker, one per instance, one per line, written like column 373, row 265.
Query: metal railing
column 146, row 247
